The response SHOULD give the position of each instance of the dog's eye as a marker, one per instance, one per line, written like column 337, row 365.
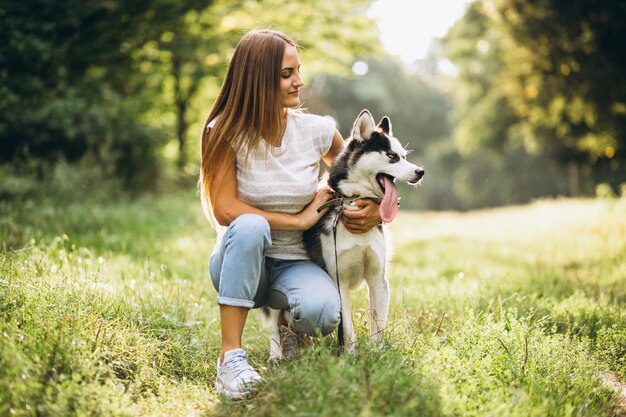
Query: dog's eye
column 393, row 157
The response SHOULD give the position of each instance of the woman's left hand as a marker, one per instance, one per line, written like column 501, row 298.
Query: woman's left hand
column 363, row 219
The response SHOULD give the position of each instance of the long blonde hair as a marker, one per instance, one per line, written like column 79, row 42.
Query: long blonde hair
column 248, row 107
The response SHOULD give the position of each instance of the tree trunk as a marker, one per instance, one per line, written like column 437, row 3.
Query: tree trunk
column 574, row 179
column 180, row 103
column 181, row 130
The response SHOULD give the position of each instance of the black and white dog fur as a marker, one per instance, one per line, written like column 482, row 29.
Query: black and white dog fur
column 367, row 168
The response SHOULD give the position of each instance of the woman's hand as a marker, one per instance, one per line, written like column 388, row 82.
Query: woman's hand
column 363, row 219
column 309, row 216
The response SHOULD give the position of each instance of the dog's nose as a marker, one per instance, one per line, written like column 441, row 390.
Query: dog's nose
column 419, row 172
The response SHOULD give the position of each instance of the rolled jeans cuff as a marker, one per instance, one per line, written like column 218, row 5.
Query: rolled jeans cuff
column 235, row 302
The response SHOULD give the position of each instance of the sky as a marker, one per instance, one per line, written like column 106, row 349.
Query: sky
column 407, row 27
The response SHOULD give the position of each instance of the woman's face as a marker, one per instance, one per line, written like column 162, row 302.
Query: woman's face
column 290, row 81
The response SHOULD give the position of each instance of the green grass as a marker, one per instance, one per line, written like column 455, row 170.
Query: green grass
column 106, row 309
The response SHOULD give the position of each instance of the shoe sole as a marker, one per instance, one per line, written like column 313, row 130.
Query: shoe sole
column 222, row 390
column 235, row 395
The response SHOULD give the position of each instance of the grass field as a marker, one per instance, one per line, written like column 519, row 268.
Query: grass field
column 106, row 310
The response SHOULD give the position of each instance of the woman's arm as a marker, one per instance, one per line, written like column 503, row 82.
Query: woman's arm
column 335, row 148
column 368, row 215
column 227, row 206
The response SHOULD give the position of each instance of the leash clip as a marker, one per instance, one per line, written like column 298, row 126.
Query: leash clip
column 330, row 203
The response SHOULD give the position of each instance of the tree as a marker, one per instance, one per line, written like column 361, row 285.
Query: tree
column 483, row 113
column 116, row 79
column 419, row 111
column 548, row 74
column 330, row 34
column 69, row 87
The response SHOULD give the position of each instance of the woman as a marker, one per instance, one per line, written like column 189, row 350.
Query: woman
column 259, row 176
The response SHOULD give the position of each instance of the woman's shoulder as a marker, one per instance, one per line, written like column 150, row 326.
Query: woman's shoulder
column 304, row 117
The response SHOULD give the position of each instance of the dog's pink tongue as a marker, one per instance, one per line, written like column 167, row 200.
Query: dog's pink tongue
column 389, row 205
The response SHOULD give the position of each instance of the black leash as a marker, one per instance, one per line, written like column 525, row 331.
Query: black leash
column 340, row 329
column 331, row 203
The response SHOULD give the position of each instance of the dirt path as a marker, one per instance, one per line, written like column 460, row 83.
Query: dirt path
column 618, row 386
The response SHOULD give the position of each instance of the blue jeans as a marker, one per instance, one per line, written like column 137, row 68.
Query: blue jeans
column 245, row 277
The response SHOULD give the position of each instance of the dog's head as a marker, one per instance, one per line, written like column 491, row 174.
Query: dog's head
column 371, row 162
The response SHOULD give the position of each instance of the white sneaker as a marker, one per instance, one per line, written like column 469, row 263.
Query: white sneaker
column 235, row 376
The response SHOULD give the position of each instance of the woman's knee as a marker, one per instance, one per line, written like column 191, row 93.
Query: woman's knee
column 315, row 317
column 245, row 242
column 250, row 231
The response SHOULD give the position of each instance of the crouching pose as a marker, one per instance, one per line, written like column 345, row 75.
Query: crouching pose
column 259, row 185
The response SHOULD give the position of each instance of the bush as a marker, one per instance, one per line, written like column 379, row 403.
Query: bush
column 83, row 122
column 604, row 190
column 611, row 347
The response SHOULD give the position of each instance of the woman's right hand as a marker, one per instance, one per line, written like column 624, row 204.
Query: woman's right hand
column 309, row 216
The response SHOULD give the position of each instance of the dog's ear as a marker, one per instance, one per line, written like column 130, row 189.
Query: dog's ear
column 385, row 125
column 363, row 126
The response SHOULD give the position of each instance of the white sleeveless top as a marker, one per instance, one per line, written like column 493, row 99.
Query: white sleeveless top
column 284, row 179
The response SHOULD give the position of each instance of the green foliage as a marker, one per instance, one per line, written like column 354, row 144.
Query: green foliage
column 68, row 87
column 546, row 75
column 420, row 114
column 611, row 346
column 482, row 114
column 330, row 33
column 502, row 312
column 192, row 58
column 509, row 366
column 417, row 110
column 572, row 77
column 93, row 332
column 115, row 81
column 126, row 86
column 78, row 346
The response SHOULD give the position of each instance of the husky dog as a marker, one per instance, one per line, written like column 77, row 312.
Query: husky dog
column 367, row 168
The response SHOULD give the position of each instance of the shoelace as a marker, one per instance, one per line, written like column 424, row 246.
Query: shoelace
column 239, row 363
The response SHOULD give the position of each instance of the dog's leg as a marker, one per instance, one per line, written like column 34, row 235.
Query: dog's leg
column 276, row 349
column 379, row 305
column 349, row 337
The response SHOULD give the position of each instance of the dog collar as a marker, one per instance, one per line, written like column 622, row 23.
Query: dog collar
column 337, row 202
